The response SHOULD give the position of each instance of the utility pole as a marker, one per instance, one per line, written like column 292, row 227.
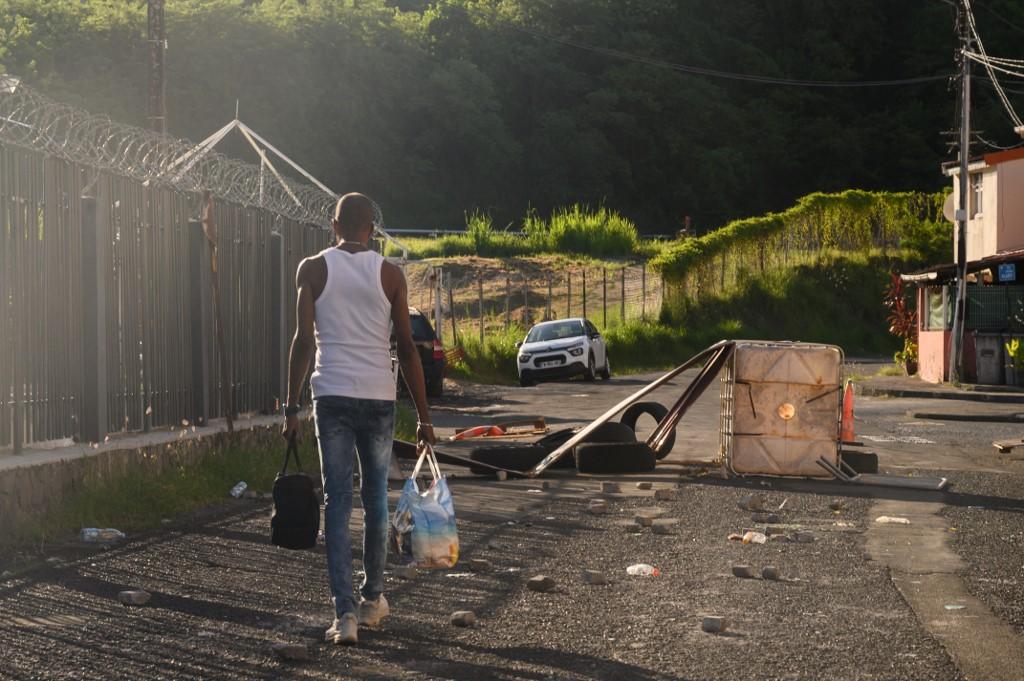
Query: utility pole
column 956, row 368
column 157, row 85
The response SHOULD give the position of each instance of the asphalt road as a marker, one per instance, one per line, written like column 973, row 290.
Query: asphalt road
column 222, row 596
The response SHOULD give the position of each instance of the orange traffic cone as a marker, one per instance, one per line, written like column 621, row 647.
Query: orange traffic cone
column 846, row 425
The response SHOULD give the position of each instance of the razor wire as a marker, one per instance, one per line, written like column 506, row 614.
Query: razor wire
column 31, row 120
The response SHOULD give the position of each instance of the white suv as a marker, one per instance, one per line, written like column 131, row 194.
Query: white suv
column 560, row 349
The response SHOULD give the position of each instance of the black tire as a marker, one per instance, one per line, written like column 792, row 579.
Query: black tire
column 525, row 380
column 611, row 431
column 606, row 372
column 862, row 462
column 512, row 457
column 614, row 457
column 436, row 387
column 591, row 373
column 658, row 411
column 553, row 441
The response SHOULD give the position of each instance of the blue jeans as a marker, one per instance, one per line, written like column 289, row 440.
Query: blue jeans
column 346, row 426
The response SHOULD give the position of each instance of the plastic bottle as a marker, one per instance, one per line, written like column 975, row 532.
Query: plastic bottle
column 239, row 489
column 95, row 535
column 643, row 570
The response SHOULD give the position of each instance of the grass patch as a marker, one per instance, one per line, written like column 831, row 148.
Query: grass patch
column 576, row 230
column 140, row 501
column 492, row 362
column 891, row 370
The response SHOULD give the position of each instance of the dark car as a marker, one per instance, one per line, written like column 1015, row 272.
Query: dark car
column 431, row 352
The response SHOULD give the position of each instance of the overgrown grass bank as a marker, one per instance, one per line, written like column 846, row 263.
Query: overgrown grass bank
column 142, row 501
column 576, row 230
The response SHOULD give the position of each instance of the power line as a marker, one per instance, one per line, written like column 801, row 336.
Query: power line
column 999, row 16
column 730, row 75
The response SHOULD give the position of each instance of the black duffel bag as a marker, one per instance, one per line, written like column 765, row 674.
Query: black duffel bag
column 295, row 521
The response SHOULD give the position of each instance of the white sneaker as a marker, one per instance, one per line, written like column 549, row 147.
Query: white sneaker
column 372, row 612
column 344, row 631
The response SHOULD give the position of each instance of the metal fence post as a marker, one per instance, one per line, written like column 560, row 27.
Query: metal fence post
column 480, row 293
column 604, row 297
column 278, row 332
column 508, row 302
column 199, row 305
column 548, row 315
column 526, row 302
column 568, row 294
column 95, row 265
column 622, row 290
column 643, row 291
column 584, row 292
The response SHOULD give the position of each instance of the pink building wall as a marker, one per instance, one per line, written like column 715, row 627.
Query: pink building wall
column 933, row 352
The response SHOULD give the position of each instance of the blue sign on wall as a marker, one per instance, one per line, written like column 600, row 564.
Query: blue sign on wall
column 1008, row 272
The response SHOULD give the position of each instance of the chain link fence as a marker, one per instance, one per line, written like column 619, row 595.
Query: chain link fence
column 473, row 302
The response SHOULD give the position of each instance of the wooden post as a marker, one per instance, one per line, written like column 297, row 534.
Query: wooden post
column 95, row 265
column 480, row 294
column 526, row 302
column 451, row 311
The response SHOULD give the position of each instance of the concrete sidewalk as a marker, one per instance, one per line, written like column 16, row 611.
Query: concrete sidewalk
column 913, row 387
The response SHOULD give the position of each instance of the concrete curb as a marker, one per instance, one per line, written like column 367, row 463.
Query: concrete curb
column 975, row 418
column 966, row 395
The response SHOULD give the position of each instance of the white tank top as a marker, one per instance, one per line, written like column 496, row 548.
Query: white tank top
column 353, row 329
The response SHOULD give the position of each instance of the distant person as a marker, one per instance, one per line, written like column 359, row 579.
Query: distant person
column 348, row 298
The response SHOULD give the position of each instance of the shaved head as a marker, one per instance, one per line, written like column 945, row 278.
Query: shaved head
column 354, row 214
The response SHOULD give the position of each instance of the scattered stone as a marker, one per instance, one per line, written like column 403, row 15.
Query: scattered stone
column 770, row 572
column 892, row 520
column 610, row 487
column 643, row 521
column 291, row 652
column 751, row 502
column 743, row 571
column 463, row 618
column 54, row 560
column 502, row 476
column 633, row 528
column 598, row 506
column 540, row 583
column 714, row 625
column 664, row 494
column 837, row 505
column 134, row 597
column 479, row 565
column 645, row 485
column 405, row 571
column 664, row 527
column 251, row 494
column 754, row 538
column 803, row 537
column 594, row 578
column 765, row 517
column 735, row 537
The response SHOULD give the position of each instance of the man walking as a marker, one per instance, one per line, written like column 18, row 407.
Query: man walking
column 348, row 299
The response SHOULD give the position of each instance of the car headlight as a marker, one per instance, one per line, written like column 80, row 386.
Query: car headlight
column 525, row 357
column 575, row 352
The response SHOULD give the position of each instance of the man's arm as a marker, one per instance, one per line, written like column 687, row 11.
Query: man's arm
column 408, row 357
column 302, row 345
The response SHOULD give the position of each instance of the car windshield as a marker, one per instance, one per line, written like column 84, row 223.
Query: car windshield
column 555, row 331
column 421, row 329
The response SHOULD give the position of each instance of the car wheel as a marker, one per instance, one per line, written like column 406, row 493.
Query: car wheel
column 512, row 457
column 525, row 381
column 614, row 457
column 658, row 411
column 862, row 462
column 591, row 372
column 606, row 372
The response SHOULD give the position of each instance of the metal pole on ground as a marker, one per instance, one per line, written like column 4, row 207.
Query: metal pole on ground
column 957, row 337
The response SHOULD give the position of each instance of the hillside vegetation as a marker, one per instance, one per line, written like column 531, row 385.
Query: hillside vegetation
column 441, row 107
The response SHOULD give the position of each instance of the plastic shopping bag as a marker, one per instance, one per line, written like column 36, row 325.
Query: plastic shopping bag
column 423, row 528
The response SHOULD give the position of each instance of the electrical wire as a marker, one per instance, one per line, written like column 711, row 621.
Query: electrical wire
column 988, row 66
column 730, row 75
column 999, row 16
